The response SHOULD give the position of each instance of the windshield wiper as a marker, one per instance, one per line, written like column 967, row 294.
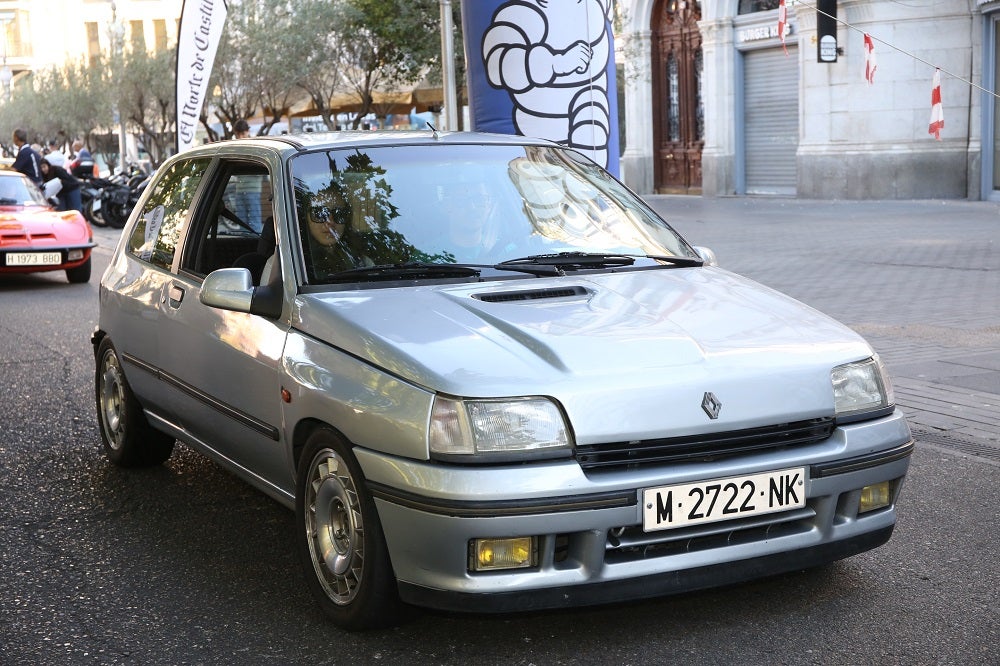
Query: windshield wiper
column 571, row 259
column 410, row 269
column 677, row 261
column 7, row 201
column 598, row 260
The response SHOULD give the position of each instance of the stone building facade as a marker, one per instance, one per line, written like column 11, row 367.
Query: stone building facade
column 714, row 106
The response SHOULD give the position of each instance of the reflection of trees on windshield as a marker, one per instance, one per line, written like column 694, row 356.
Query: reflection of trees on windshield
column 347, row 216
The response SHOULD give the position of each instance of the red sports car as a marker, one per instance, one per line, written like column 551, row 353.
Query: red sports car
column 34, row 237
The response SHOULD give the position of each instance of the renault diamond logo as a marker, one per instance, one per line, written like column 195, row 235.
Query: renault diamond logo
column 711, row 405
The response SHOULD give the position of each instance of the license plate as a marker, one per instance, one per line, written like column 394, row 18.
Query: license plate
column 33, row 258
column 669, row 507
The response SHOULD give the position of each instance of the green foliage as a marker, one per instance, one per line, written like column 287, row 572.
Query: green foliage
column 273, row 54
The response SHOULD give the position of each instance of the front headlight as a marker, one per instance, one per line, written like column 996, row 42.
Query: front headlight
column 498, row 429
column 861, row 387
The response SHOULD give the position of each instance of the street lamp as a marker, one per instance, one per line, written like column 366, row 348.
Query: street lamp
column 117, row 45
column 448, row 66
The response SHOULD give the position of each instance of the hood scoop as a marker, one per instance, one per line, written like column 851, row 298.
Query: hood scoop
column 530, row 294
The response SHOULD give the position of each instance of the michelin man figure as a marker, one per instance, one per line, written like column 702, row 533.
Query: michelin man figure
column 551, row 56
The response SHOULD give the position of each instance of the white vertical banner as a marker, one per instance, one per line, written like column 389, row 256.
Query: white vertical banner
column 197, row 40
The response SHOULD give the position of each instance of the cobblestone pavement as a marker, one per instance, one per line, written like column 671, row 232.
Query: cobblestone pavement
column 919, row 279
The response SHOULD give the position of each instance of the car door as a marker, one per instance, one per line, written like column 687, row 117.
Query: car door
column 140, row 277
column 225, row 365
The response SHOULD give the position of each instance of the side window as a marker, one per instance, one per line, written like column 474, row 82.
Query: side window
column 154, row 238
column 235, row 227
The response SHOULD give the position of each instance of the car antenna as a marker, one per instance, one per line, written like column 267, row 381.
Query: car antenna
column 435, row 130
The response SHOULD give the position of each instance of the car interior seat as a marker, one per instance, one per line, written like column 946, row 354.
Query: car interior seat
column 255, row 261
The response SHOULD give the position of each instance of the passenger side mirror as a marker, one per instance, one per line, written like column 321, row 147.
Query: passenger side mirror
column 707, row 256
column 228, row 289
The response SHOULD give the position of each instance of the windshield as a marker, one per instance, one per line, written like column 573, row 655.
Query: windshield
column 17, row 190
column 480, row 205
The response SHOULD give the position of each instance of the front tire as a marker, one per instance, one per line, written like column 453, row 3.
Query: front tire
column 129, row 440
column 79, row 274
column 340, row 541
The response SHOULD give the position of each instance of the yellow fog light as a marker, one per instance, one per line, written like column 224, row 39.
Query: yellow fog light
column 875, row 497
column 508, row 553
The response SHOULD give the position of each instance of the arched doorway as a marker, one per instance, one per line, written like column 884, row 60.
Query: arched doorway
column 678, row 110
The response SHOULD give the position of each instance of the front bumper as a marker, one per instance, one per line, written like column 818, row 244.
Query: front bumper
column 591, row 545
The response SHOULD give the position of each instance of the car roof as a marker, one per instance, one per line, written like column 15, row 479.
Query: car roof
column 361, row 138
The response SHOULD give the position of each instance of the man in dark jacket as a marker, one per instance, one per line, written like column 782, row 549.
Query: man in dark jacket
column 27, row 161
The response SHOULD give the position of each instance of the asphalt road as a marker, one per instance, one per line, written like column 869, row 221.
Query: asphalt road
column 185, row 565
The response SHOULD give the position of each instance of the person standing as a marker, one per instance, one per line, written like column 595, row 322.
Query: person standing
column 27, row 161
column 241, row 129
column 55, row 156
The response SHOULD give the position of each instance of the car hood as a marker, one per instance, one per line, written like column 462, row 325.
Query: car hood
column 40, row 226
column 610, row 346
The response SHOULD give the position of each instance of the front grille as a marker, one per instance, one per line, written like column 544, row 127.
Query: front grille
column 702, row 448
column 630, row 544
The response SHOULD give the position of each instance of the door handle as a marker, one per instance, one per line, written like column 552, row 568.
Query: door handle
column 176, row 296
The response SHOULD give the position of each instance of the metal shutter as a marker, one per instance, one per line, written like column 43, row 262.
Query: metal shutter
column 771, row 118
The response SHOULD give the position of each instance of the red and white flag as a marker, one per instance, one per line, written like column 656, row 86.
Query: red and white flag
column 937, row 112
column 870, row 64
column 782, row 24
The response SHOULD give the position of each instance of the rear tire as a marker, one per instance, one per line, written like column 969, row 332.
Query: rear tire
column 129, row 440
column 340, row 540
column 79, row 274
column 93, row 216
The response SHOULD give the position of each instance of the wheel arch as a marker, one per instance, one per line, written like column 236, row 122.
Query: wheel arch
column 301, row 433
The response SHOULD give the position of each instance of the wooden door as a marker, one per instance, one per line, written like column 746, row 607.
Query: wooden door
column 678, row 111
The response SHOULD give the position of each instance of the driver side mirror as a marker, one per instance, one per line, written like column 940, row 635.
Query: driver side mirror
column 233, row 289
column 228, row 289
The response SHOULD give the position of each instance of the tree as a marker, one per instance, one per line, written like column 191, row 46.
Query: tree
column 323, row 53
column 147, row 94
column 394, row 43
column 272, row 54
column 232, row 87
column 274, row 31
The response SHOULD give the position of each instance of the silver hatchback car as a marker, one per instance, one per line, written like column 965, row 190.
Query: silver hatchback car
column 486, row 376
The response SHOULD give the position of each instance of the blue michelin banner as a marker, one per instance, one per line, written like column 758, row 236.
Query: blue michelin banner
column 544, row 68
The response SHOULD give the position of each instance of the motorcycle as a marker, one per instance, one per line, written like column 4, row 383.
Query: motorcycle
column 90, row 197
column 109, row 201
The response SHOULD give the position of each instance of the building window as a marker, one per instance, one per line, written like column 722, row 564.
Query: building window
column 160, row 34
column 752, row 6
column 138, row 35
column 699, row 120
column 674, row 102
column 93, row 42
